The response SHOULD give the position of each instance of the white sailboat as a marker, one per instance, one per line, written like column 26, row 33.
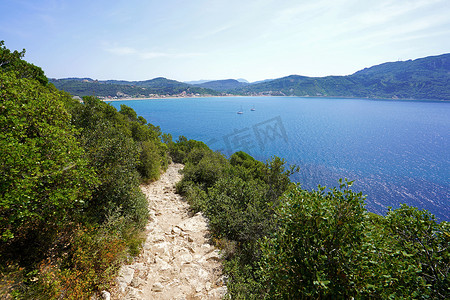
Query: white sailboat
column 240, row 112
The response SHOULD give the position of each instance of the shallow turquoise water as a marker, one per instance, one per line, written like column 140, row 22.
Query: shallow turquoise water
column 396, row 151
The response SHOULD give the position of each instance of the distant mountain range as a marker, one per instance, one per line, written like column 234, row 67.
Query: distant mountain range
column 423, row 78
column 121, row 89
column 223, row 85
column 197, row 82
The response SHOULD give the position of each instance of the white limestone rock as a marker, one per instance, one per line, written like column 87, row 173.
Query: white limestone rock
column 157, row 287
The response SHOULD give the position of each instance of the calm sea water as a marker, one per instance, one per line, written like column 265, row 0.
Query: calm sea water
column 395, row 151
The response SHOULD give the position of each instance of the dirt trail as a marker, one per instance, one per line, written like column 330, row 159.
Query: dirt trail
column 177, row 261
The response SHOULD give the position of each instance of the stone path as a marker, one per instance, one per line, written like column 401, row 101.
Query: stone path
column 177, row 261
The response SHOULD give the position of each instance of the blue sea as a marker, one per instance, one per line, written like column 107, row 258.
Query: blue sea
column 395, row 151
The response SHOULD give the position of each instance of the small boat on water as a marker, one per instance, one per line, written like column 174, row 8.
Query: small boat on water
column 252, row 109
column 240, row 112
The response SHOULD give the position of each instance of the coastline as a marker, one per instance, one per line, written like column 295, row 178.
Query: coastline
column 250, row 96
column 170, row 97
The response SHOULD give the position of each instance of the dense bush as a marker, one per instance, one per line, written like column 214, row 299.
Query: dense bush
column 13, row 62
column 113, row 154
column 238, row 210
column 415, row 254
column 315, row 251
column 182, row 147
column 238, row 197
column 150, row 161
column 283, row 242
column 91, row 264
column 70, row 203
column 45, row 178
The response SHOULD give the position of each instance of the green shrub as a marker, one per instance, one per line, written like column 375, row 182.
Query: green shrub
column 90, row 264
column 149, row 166
column 44, row 178
column 12, row 62
column 418, row 254
column 182, row 147
column 120, row 158
column 70, row 203
column 195, row 196
column 244, row 281
column 207, row 171
column 314, row 254
column 237, row 210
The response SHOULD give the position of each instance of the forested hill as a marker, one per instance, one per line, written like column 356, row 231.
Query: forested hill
column 115, row 88
column 424, row 78
column 223, row 85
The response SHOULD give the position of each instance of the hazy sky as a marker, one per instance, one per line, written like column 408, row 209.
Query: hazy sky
column 220, row 39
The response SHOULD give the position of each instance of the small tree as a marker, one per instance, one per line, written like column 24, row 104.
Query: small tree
column 12, row 61
column 425, row 243
column 315, row 251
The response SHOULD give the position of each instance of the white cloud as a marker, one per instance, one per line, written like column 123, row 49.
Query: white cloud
column 387, row 11
column 388, row 26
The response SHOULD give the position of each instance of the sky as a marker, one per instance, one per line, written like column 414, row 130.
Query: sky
column 221, row 39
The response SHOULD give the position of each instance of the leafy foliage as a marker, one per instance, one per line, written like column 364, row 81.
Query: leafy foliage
column 182, row 147
column 124, row 150
column 283, row 242
column 237, row 196
column 70, row 203
column 328, row 246
column 315, row 251
column 45, row 179
column 12, row 61
column 92, row 263
column 423, row 243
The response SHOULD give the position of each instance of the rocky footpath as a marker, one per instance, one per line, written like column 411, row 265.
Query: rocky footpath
column 177, row 262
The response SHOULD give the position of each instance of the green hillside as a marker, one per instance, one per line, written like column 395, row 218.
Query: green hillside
column 114, row 88
column 223, row 85
column 424, row 78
